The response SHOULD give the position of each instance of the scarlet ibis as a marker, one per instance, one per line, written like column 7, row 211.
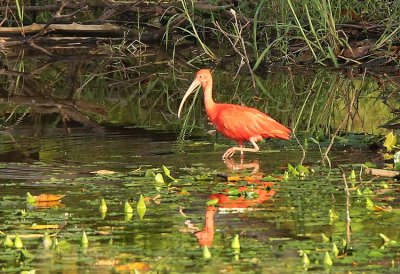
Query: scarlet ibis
column 236, row 122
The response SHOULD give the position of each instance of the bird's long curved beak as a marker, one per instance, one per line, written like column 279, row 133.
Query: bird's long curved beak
column 190, row 90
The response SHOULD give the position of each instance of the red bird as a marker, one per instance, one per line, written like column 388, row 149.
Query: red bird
column 236, row 122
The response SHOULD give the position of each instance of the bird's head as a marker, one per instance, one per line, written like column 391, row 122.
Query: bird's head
column 203, row 77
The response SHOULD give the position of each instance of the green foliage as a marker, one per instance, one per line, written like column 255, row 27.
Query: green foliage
column 235, row 242
column 103, row 206
column 127, row 208
column 18, row 242
column 327, row 259
column 390, row 141
column 206, row 253
column 84, row 239
column 141, row 207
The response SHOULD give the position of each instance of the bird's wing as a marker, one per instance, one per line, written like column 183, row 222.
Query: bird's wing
column 242, row 123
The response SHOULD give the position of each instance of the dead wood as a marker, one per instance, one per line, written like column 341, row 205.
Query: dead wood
column 69, row 109
column 382, row 172
column 109, row 29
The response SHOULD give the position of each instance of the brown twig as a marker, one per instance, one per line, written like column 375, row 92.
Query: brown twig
column 238, row 44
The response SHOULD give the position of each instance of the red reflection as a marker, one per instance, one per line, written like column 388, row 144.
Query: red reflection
column 241, row 198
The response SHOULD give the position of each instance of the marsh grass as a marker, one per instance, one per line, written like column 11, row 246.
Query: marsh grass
column 284, row 30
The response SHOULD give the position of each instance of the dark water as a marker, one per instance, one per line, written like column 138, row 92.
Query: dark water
column 274, row 219
column 67, row 120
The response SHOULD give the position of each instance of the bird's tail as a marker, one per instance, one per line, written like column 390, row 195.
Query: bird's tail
column 274, row 129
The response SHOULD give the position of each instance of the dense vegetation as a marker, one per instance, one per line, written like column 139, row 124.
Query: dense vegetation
column 328, row 32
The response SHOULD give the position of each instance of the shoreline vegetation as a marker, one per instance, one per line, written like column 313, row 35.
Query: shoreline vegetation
column 258, row 33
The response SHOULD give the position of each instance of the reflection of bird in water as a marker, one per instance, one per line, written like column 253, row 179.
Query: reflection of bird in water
column 231, row 165
column 236, row 122
column 247, row 198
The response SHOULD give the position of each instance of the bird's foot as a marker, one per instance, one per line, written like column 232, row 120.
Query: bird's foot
column 229, row 153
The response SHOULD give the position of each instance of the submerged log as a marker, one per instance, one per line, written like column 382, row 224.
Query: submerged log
column 12, row 36
column 69, row 109
column 74, row 27
column 382, row 172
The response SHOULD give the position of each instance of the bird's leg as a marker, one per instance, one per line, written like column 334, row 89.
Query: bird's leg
column 230, row 151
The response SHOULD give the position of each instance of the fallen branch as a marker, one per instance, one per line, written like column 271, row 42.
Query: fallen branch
column 74, row 27
column 382, row 172
column 69, row 109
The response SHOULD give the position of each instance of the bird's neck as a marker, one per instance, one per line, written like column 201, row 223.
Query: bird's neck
column 208, row 101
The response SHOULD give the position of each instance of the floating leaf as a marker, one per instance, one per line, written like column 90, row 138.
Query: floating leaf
column 159, row 178
column 292, row 170
column 47, row 242
column 305, row 260
column 128, row 216
column 103, row 172
column 212, row 202
column 235, row 242
column 202, row 177
column 107, row 262
column 369, row 204
column 136, row 267
column 390, row 141
column 84, row 239
column 25, row 254
column 250, row 194
column 39, row 227
column 8, row 242
column 48, row 197
column 32, row 271
column 387, row 156
column 30, row 198
column 103, row 205
column 184, row 192
column 141, row 207
column 383, row 208
column 302, row 170
column 370, row 164
column 127, row 208
column 18, row 242
column 206, row 253
column 327, row 259
column 167, row 173
column 47, row 204
column 324, row 238
column 63, row 245
column 335, row 249
column 367, row 191
column 149, row 173
column 234, row 191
